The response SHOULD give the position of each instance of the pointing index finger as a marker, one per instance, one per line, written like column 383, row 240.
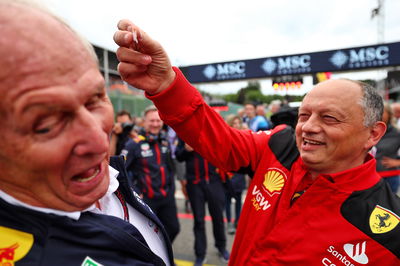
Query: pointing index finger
column 124, row 24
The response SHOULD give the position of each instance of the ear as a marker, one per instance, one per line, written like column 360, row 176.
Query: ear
column 376, row 132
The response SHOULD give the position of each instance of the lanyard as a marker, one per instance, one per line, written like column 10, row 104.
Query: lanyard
column 123, row 203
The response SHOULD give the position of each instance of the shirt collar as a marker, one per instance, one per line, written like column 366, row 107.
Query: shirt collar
column 73, row 215
column 358, row 178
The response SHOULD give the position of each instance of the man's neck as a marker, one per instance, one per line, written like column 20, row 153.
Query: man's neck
column 16, row 202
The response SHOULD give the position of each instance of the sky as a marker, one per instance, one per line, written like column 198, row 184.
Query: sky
column 209, row 31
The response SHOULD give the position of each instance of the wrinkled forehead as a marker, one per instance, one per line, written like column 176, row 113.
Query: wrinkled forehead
column 21, row 24
column 30, row 35
column 337, row 92
column 36, row 49
column 152, row 115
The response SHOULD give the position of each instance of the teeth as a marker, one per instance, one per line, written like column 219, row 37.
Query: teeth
column 312, row 142
column 84, row 179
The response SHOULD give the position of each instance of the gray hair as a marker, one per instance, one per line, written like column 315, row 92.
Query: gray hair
column 372, row 104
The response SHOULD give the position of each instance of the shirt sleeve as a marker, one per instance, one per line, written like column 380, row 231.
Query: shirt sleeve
column 182, row 107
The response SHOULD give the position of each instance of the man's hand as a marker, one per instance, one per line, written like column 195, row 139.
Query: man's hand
column 188, row 147
column 117, row 129
column 183, row 187
column 143, row 62
column 390, row 162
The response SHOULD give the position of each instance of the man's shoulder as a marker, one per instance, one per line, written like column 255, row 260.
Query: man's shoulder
column 376, row 212
column 139, row 138
column 133, row 145
column 283, row 144
column 136, row 141
column 260, row 118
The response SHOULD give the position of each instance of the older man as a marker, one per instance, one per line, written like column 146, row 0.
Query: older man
column 315, row 197
column 60, row 202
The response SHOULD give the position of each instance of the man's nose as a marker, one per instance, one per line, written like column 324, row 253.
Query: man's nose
column 90, row 132
column 311, row 125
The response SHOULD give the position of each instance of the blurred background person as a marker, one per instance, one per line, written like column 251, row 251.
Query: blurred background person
column 121, row 131
column 396, row 114
column 204, row 186
column 273, row 108
column 286, row 115
column 179, row 166
column 236, row 185
column 260, row 110
column 149, row 162
column 138, row 127
column 387, row 151
column 242, row 115
column 255, row 122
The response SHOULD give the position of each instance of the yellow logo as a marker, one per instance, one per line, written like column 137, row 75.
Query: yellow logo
column 382, row 220
column 14, row 245
column 274, row 180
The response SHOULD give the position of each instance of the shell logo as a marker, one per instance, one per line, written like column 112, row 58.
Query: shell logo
column 14, row 245
column 274, row 181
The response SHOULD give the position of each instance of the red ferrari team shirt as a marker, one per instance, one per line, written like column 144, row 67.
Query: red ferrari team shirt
column 347, row 218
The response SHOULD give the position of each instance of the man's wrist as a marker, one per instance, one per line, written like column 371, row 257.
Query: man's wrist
column 168, row 81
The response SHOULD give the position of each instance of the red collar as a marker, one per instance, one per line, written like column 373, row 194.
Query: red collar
column 358, row 178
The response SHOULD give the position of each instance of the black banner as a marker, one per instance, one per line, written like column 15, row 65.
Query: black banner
column 356, row 58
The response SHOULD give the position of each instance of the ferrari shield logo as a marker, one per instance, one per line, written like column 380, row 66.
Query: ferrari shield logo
column 382, row 220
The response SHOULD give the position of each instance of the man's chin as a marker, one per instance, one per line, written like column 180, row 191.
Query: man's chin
column 155, row 132
column 310, row 160
column 83, row 202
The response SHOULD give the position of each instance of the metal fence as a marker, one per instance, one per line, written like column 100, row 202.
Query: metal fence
column 135, row 104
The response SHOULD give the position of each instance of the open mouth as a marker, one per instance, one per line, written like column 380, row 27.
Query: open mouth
column 312, row 142
column 87, row 175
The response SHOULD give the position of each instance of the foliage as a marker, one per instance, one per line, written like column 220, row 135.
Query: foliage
column 252, row 93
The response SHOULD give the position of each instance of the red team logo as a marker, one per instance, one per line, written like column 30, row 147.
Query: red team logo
column 7, row 254
column 14, row 245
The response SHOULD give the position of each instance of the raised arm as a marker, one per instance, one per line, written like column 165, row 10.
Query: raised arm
column 143, row 62
column 145, row 65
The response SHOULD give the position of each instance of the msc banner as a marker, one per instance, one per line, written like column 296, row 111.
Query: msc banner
column 357, row 58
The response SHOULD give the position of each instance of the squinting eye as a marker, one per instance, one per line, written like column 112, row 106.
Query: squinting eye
column 94, row 100
column 42, row 131
column 330, row 118
column 47, row 124
column 302, row 117
column 44, row 128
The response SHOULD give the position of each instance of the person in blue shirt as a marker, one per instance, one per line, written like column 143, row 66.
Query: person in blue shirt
column 255, row 122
